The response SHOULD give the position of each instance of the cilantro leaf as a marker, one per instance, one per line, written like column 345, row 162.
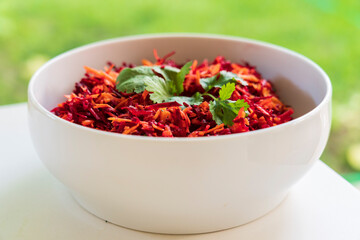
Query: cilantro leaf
column 223, row 77
column 216, row 112
column 224, row 110
column 133, row 79
column 227, row 75
column 160, row 90
column 196, row 99
column 167, row 72
column 180, row 77
column 140, row 78
column 174, row 76
column 226, row 91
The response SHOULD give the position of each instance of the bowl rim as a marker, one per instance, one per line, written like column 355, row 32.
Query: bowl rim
column 327, row 98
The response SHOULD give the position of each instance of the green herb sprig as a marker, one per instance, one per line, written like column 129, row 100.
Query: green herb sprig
column 224, row 110
column 165, row 84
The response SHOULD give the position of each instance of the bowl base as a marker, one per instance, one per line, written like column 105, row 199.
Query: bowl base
column 176, row 226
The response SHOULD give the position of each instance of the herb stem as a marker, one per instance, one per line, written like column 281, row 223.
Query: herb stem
column 210, row 95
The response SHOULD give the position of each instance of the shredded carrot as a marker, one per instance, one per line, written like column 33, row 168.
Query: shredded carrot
column 146, row 62
column 131, row 129
column 108, row 70
column 158, row 59
column 157, row 127
column 193, row 66
column 115, row 119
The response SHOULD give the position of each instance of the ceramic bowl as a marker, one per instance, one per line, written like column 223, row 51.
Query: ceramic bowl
column 181, row 185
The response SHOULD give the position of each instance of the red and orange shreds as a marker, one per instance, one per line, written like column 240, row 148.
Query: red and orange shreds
column 96, row 103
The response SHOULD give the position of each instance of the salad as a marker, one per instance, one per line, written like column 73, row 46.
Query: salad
column 167, row 99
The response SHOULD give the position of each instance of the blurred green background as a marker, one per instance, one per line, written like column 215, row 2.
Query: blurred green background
column 327, row 31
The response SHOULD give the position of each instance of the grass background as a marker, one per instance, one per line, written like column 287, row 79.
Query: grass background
column 326, row 31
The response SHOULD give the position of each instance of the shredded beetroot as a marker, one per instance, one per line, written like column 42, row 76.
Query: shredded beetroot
column 96, row 103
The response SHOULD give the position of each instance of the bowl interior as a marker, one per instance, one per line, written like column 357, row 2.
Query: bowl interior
column 299, row 82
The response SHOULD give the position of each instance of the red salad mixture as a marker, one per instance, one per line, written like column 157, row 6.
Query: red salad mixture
column 165, row 99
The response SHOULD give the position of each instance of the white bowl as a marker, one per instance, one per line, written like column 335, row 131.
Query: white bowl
column 181, row 185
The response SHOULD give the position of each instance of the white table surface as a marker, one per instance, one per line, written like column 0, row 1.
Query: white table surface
column 34, row 205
